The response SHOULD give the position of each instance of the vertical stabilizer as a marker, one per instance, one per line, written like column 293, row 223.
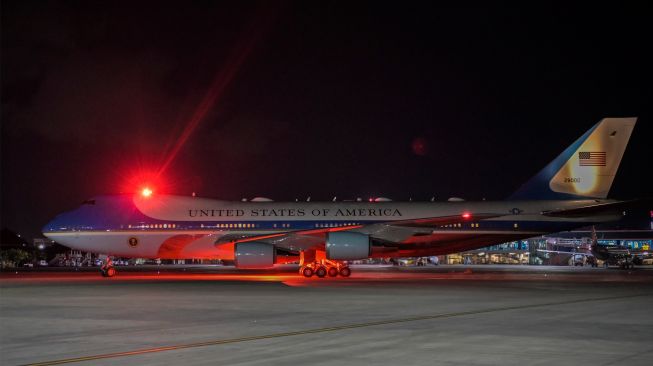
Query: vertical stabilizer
column 586, row 169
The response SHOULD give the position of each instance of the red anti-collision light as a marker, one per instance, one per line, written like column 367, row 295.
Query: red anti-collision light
column 146, row 192
column 466, row 215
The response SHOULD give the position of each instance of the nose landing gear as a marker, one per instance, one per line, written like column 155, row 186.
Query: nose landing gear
column 323, row 268
column 107, row 269
column 108, row 272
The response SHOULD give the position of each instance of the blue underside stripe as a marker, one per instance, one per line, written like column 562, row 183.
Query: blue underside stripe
column 154, row 225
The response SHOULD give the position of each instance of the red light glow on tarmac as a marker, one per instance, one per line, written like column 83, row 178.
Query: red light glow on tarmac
column 360, row 277
column 66, row 277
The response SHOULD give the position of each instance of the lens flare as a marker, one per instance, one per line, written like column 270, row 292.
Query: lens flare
column 247, row 42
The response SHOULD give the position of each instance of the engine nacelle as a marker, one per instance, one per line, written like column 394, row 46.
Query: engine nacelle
column 341, row 245
column 254, row 255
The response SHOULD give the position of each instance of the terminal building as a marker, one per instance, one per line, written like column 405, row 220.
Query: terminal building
column 561, row 248
column 557, row 249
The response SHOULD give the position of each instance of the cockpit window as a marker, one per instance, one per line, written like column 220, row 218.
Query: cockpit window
column 88, row 202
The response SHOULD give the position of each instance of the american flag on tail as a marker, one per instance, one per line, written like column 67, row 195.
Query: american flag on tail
column 591, row 158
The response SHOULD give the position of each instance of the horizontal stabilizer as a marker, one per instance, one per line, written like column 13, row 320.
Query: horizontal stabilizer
column 598, row 209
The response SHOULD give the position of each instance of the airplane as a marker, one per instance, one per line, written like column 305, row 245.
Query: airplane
column 614, row 254
column 618, row 255
column 570, row 192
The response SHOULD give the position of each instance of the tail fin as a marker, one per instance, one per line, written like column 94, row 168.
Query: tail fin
column 585, row 169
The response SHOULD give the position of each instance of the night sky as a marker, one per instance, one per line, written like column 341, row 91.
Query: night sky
column 294, row 99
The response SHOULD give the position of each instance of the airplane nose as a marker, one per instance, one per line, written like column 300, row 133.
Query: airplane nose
column 49, row 227
column 57, row 229
column 56, row 224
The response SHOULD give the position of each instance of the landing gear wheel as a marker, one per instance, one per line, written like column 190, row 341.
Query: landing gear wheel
column 307, row 272
column 321, row 271
column 332, row 271
column 109, row 272
column 345, row 271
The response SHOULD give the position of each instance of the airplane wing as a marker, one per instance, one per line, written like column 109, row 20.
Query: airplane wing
column 292, row 240
column 392, row 231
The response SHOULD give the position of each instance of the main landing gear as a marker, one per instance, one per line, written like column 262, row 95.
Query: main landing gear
column 325, row 268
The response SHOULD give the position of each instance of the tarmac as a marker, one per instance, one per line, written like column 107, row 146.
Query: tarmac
column 208, row 315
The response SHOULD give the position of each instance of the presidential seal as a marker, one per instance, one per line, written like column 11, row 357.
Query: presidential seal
column 133, row 242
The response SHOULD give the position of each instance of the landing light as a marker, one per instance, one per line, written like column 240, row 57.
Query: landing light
column 146, row 192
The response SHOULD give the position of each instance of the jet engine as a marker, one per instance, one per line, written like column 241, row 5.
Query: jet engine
column 342, row 245
column 254, row 255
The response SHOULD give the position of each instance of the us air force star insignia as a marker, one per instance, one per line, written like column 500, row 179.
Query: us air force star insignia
column 133, row 242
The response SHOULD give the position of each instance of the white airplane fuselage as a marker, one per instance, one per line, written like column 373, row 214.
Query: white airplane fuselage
column 161, row 226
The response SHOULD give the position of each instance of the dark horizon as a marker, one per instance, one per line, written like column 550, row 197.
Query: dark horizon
column 291, row 99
